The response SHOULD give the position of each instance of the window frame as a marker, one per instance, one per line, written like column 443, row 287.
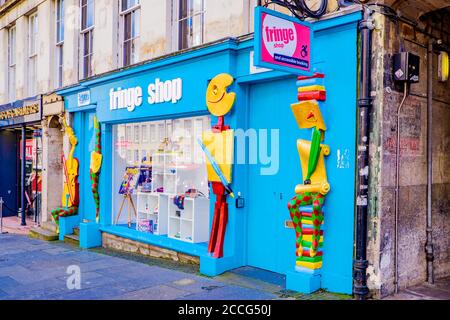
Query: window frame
column 59, row 42
column 12, row 50
column 176, row 20
column 33, row 43
column 86, row 32
column 59, row 23
column 136, row 8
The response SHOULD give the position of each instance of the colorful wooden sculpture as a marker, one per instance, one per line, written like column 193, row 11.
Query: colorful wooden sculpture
column 96, row 164
column 306, row 208
column 219, row 144
column 70, row 197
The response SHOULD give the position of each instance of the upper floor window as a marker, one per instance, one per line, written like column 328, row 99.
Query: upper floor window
column 33, row 29
column 87, row 14
column 59, row 42
column 190, row 23
column 130, row 20
column 12, row 63
column 87, row 36
column 59, row 21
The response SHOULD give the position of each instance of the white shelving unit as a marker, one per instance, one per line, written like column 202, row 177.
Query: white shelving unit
column 152, row 211
column 164, row 172
column 190, row 224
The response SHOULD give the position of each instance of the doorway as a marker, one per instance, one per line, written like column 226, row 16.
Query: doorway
column 10, row 171
column 270, row 244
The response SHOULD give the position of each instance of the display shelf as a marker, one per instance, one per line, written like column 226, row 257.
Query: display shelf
column 190, row 224
column 164, row 173
column 152, row 213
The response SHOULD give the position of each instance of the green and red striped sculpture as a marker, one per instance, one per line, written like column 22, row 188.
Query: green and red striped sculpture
column 96, row 163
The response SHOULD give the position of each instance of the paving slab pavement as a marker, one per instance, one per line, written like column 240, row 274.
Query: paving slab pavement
column 440, row 290
column 32, row 269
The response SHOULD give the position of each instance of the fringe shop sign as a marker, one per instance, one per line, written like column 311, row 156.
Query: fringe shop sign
column 282, row 42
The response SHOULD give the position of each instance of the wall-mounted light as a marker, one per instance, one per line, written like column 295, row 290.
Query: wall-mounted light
column 443, row 66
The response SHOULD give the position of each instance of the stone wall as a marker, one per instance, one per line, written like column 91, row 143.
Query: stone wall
column 130, row 246
column 392, row 37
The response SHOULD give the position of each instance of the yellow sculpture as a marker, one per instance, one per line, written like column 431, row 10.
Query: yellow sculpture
column 220, row 102
column 218, row 146
column 70, row 196
column 96, row 156
column 306, row 207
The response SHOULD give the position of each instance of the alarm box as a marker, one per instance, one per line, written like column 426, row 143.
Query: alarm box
column 406, row 67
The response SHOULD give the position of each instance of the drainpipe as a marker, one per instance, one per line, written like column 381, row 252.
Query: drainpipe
column 429, row 244
column 360, row 263
column 22, row 176
column 397, row 185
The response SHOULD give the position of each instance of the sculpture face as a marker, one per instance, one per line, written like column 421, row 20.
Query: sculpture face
column 308, row 115
column 218, row 100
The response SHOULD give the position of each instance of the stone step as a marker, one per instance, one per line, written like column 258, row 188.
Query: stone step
column 42, row 234
column 76, row 231
column 72, row 239
column 49, row 226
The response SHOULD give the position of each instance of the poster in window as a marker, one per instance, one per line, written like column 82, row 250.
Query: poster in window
column 130, row 180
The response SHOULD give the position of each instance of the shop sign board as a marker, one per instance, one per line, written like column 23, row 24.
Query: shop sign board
column 84, row 98
column 282, row 42
column 20, row 112
column 157, row 92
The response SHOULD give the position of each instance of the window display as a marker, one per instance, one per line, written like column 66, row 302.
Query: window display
column 170, row 188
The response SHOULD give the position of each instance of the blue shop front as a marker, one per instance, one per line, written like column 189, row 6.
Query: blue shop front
column 153, row 188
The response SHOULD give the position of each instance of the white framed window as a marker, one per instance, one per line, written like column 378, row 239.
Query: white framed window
column 87, row 37
column 144, row 133
column 59, row 6
column 12, row 63
column 249, row 10
column 130, row 19
column 136, row 133
column 33, row 29
column 188, row 23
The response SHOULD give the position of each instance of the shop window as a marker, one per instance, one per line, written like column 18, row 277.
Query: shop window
column 163, row 164
column 12, row 63
column 59, row 42
column 33, row 28
column 188, row 23
column 87, row 36
column 130, row 23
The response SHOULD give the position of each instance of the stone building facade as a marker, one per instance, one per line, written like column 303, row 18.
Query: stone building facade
column 391, row 36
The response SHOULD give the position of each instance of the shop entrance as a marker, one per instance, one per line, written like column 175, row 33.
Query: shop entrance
column 10, row 171
column 270, row 242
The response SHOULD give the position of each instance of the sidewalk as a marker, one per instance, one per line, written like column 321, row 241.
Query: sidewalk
column 440, row 290
column 32, row 269
column 13, row 225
